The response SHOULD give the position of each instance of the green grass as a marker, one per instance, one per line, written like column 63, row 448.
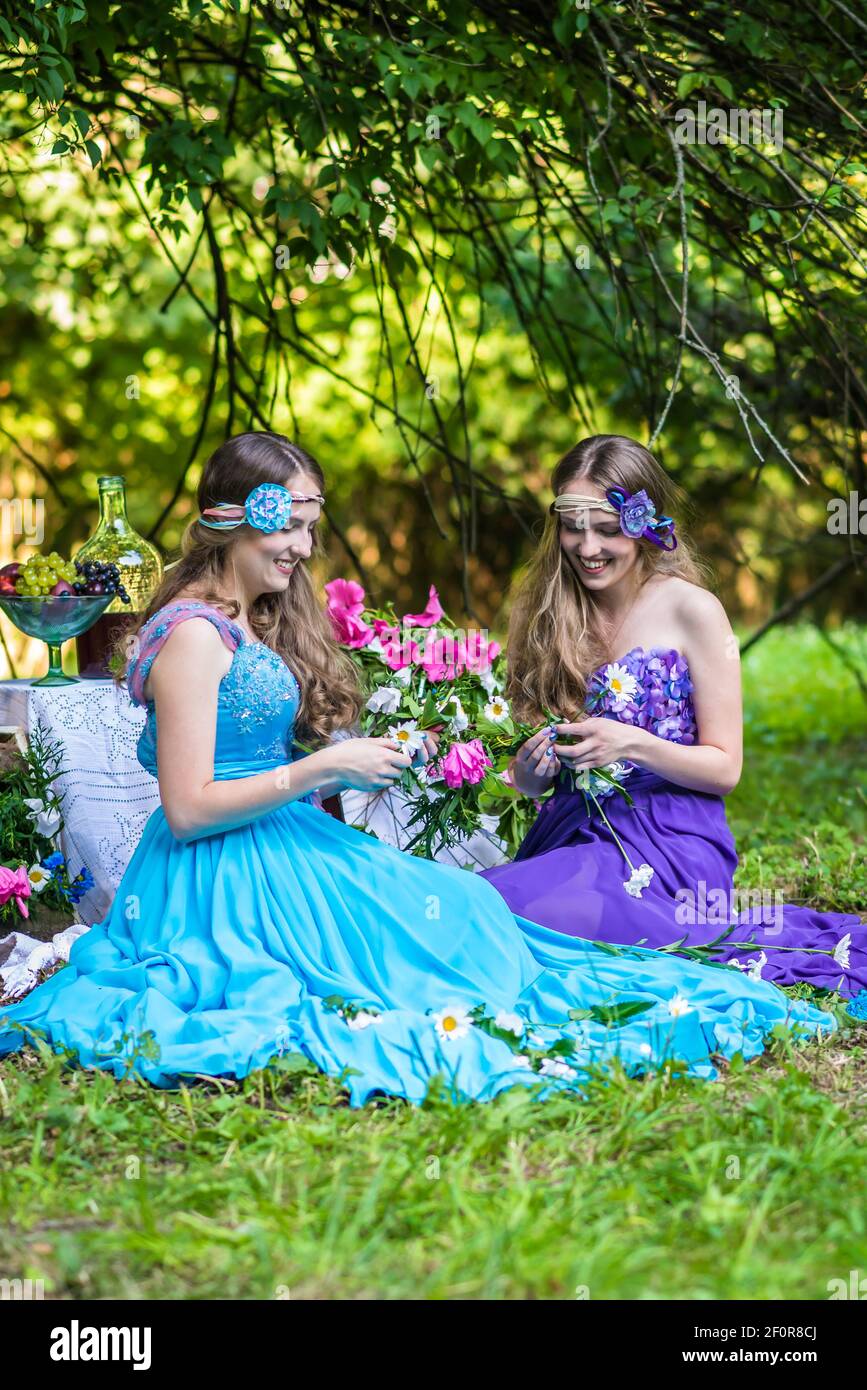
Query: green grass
column 655, row 1188
column 799, row 814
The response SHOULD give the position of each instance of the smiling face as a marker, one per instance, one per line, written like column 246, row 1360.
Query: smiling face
column 265, row 562
column 592, row 541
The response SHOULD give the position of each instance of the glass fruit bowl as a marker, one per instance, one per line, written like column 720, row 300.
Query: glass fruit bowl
column 54, row 618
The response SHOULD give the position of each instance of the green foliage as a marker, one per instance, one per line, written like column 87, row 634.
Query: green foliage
column 653, row 1188
column 799, row 814
column 32, row 777
column 187, row 185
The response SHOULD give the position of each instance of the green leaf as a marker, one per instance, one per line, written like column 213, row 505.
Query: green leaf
column 689, row 81
column 94, row 151
column 54, row 83
column 615, row 1015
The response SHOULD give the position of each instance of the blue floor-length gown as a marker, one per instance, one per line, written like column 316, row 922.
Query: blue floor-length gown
column 223, row 952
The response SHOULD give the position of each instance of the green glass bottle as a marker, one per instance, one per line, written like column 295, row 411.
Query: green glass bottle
column 141, row 572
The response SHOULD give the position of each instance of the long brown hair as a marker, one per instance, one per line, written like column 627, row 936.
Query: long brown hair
column 556, row 633
column 292, row 623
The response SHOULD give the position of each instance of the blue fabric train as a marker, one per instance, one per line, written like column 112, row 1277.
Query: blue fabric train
column 296, row 933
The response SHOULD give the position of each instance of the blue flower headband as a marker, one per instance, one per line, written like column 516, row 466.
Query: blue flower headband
column 268, row 508
column 638, row 519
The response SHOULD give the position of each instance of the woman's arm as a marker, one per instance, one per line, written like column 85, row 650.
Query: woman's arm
column 714, row 763
column 184, row 684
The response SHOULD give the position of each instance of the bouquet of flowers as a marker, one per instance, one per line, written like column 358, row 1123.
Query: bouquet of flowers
column 31, row 819
column 421, row 672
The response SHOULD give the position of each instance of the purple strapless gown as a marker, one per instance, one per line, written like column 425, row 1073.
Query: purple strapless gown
column 569, row 873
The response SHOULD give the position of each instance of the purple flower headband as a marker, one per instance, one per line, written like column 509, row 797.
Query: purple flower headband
column 268, row 508
column 638, row 519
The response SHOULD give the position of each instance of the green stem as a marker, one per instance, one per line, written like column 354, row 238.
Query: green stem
column 610, row 827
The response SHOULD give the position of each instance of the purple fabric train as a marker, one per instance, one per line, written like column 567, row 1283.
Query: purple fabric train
column 569, row 872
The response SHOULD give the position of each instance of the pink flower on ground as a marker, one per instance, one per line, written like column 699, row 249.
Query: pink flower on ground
column 432, row 613
column 14, row 883
column 465, row 763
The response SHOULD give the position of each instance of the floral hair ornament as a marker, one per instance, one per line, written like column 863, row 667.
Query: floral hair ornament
column 638, row 518
column 268, row 508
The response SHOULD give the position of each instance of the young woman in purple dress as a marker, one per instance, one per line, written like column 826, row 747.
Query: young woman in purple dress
column 613, row 630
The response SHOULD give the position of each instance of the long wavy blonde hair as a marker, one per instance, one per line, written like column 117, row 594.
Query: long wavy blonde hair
column 557, row 636
column 292, row 623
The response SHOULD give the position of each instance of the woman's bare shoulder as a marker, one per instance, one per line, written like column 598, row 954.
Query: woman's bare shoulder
column 193, row 651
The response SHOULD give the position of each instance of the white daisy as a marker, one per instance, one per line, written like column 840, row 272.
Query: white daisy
column 497, row 710
column 620, row 682
column 39, row 877
column 678, row 1006
column 452, row 1023
column 408, row 734
column 841, row 950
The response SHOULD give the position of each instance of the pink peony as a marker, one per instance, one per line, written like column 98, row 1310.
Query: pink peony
column 345, row 594
column 397, row 649
column 432, row 613
column 465, row 763
column 345, row 605
column 443, row 658
column 351, row 630
column 399, row 653
column 479, row 654
column 14, row 883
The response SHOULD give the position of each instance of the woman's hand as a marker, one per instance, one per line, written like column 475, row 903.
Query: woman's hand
column 599, row 742
column 430, row 747
column 536, row 763
column 368, row 764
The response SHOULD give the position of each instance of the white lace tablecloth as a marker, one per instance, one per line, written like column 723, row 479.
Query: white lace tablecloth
column 108, row 796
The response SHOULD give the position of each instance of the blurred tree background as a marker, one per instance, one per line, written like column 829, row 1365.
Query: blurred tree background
column 437, row 243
